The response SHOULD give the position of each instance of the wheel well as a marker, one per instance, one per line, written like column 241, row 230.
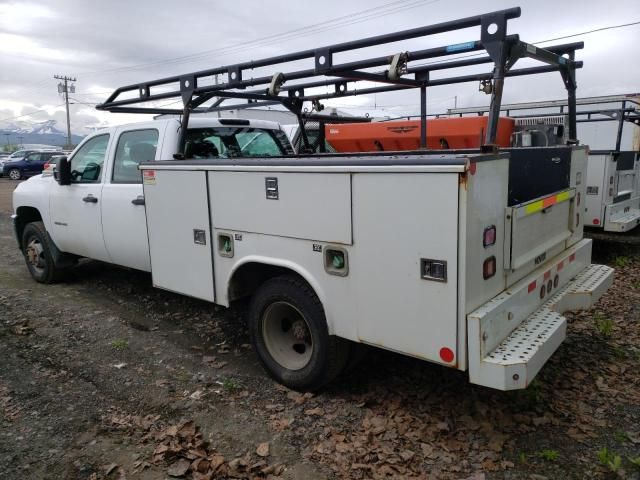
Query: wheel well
column 248, row 277
column 25, row 215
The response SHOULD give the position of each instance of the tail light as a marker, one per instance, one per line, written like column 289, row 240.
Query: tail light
column 489, row 268
column 46, row 165
column 489, row 236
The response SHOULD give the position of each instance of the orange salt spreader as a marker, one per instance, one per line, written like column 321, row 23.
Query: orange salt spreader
column 442, row 133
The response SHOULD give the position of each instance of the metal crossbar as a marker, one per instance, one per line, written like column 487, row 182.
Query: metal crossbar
column 291, row 88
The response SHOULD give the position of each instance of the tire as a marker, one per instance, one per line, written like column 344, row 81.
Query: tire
column 15, row 174
column 37, row 251
column 289, row 332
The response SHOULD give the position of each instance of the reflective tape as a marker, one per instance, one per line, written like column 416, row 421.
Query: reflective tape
column 539, row 205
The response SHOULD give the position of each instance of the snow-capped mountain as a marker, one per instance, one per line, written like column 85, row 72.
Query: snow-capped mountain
column 48, row 126
column 36, row 132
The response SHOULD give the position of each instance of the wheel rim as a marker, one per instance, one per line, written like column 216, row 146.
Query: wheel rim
column 287, row 336
column 14, row 174
column 35, row 255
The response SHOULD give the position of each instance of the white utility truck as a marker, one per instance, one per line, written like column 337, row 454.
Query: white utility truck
column 445, row 256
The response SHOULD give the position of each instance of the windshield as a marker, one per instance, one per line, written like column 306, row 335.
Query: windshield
column 19, row 154
column 228, row 142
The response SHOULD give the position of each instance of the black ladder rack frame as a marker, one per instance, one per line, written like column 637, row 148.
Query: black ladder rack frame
column 401, row 73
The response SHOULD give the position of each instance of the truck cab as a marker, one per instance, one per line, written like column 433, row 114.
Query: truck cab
column 101, row 213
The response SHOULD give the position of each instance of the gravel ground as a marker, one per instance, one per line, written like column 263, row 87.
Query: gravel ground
column 103, row 376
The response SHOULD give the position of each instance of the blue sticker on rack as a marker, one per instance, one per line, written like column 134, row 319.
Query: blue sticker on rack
column 460, row 47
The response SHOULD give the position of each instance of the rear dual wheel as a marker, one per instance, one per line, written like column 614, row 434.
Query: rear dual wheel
column 289, row 332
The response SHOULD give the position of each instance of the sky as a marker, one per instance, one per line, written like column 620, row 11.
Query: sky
column 108, row 44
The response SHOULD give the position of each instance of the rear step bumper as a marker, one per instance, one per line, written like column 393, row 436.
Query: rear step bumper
column 623, row 216
column 514, row 362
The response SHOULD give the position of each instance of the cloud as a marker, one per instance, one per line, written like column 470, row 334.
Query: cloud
column 114, row 43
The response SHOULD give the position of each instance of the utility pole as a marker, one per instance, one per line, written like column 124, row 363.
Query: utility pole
column 64, row 88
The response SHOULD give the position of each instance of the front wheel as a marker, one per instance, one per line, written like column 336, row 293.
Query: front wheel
column 15, row 174
column 289, row 332
column 37, row 253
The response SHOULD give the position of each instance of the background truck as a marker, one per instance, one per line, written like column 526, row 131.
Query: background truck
column 454, row 257
column 610, row 125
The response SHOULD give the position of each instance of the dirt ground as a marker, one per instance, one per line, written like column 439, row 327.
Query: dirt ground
column 103, row 376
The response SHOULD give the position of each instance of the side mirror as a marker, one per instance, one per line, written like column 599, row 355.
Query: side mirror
column 63, row 171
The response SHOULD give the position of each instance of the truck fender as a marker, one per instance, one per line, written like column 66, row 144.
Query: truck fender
column 284, row 264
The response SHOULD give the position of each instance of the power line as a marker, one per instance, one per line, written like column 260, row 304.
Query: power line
column 564, row 37
column 338, row 22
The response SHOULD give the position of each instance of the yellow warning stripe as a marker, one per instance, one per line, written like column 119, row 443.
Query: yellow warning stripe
column 547, row 202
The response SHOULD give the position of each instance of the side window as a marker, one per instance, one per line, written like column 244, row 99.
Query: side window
column 133, row 148
column 258, row 144
column 33, row 157
column 86, row 164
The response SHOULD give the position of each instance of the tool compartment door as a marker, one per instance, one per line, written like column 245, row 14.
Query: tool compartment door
column 539, row 228
column 400, row 221
column 178, row 224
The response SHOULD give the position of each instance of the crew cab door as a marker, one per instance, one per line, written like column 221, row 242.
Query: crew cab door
column 76, row 221
column 32, row 164
column 123, row 209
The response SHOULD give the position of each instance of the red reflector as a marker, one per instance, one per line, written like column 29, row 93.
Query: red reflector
column 596, row 221
column 446, row 354
column 547, row 275
column 572, row 257
column 532, row 287
column 560, row 266
column 489, row 268
column 472, row 168
column 489, row 236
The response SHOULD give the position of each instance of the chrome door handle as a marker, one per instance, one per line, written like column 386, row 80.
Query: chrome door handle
column 90, row 199
column 138, row 201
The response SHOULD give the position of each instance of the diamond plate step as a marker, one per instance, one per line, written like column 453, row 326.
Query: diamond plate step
column 515, row 361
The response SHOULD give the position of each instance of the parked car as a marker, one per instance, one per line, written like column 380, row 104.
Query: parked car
column 32, row 164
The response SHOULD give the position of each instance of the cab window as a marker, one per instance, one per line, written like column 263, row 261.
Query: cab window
column 33, row 157
column 228, row 142
column 86, row 164
column 133, row 148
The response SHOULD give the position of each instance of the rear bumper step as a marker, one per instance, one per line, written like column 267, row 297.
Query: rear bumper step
column 623, row 221
column 515, row 361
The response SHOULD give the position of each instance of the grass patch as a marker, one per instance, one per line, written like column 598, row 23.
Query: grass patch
column 230, row 385
column 620, row 353
column 610, row 460
column 621, row 261
column 119, row 344
column 549, row 455
column 604, row 325
column 620, row 436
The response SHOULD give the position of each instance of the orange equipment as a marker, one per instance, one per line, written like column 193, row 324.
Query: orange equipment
column 442, row 133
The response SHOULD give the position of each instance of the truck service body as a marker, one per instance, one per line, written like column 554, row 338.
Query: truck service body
column 449, row 256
